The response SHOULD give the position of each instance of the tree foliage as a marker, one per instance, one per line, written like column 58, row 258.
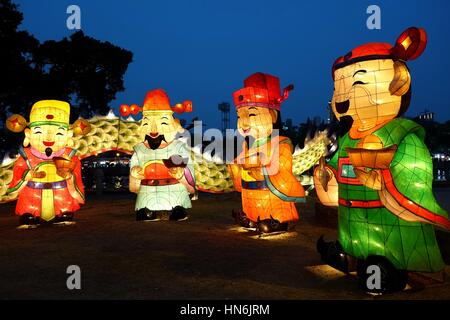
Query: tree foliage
column 79, row 69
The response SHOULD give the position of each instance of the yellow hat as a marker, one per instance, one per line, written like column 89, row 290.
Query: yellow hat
column 50, row 112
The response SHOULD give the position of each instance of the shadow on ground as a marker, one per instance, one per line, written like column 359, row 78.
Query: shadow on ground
column 206, row 257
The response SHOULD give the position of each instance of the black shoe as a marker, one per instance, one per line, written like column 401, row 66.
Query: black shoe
column 391, row 279
column 333, row 254
column 66, row 216
column 241, row 219
column 145, row 214
column 271, row 225
column 28, row 219
column 178, row 214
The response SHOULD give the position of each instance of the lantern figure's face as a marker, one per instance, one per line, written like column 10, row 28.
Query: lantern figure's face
column 160, row 125
column 362, row 91
column 256, row 122
column 44, row 138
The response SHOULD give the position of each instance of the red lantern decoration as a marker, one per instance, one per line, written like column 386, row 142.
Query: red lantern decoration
column 135, row 109
column 187, row 106
column 178, row 108
column 125, row 110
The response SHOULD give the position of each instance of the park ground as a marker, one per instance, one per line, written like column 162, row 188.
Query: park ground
column 205, row 257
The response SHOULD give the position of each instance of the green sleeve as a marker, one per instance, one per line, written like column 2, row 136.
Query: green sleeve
column 412, row 172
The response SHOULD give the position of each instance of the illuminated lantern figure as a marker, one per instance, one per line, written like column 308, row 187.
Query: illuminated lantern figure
column 263, row 171
column 161, row 172
column 47, row 174
column 382, row 170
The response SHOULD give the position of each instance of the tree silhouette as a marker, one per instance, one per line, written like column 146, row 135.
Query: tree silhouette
column 16, row 61
column 79, row 69
column 84, row 71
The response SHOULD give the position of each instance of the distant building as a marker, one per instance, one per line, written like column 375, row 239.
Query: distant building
column 224, row 108
column 426, row 116
column 287, row 125
column 331, row 117
column 317, row 121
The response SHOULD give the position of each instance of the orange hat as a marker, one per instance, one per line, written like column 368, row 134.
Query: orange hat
column 156, row 100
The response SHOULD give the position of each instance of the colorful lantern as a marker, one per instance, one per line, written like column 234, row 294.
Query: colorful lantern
column 161, row 171
column 47, row 174
column 16, row 123
column 125, row 110
column 387, row 211
column 263, row 171
column 135, row 109
column 109, row 133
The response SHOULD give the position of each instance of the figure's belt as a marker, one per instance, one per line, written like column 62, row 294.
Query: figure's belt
column 159, row 182
column 360, row 203
column 254, row 185
column 47, row 185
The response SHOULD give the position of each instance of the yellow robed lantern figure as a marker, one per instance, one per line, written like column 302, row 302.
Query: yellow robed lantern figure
column 47, row 174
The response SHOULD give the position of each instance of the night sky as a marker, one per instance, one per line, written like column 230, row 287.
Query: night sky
column 203, row 50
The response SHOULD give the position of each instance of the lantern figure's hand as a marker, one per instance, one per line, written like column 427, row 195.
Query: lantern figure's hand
column 370, row 178
column 176, row 172
column 65, row 173
column 322, row 174
column 255, row 160
column 136, row 172
column 256, row 173
column 38, row 174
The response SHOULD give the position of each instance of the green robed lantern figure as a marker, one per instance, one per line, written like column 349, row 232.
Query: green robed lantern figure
column 381, row 176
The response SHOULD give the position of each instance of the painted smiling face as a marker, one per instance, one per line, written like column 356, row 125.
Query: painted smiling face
column 159, row 128
column 48, row 139
column 48, row 130
column 370, row 92
column 372, row 84
column 255, row 121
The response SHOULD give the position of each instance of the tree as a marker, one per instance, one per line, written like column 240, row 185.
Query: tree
column 84, row 71
column 16, row 56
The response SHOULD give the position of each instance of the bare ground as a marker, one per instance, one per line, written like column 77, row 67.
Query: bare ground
column 206, row 257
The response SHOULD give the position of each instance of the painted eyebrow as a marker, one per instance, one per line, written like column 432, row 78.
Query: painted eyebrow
column 165, row 117
column 37, row 128
column 252, row 108
column 61, row 128
column 359, row 71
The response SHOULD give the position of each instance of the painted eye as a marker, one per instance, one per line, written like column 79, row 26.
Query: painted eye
column 145, row 124
column 164, row 123
column 59, row 134
column 252, row 115
column 37, row 132
column 358, row 82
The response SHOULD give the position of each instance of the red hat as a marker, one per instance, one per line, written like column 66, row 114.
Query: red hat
column 409, row 46
column 261, row 90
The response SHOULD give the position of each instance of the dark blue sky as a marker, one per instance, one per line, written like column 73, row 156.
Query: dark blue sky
column 202, row 50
